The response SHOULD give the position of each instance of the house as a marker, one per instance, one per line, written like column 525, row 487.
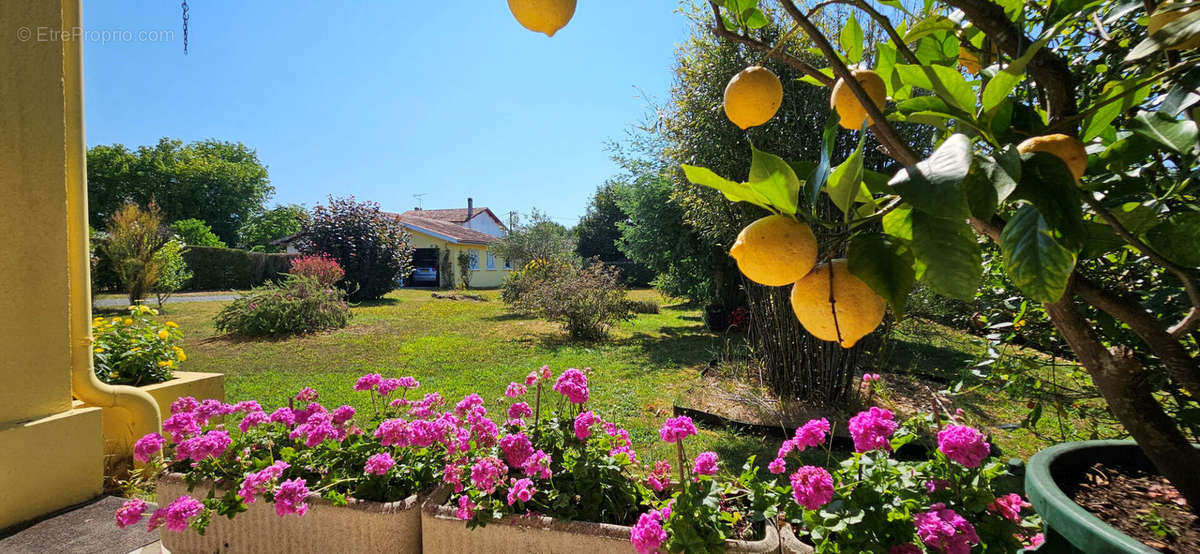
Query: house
column 440, row 235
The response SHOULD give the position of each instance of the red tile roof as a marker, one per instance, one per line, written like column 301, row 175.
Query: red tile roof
column 444, row 228
column 453, row 215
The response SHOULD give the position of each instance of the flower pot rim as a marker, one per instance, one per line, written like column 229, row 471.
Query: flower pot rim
column 435, row 507
column 413, row 501
column 1061, row 513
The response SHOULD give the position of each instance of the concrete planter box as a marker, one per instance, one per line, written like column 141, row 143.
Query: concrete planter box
column 118, row 422
column 362, row 526
column 443, row 533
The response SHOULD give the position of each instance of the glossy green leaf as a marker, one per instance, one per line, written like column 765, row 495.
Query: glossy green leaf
column 1101, row 239
column 980, row 191
column 934, row 23
column 950, row 254
column 956, row 87
column 1172, row 33
column 1006, row 172
column 1005, row 81
column 756, row 19
column 1178, row 239
column 852, row 40
column 846, row 182
column 816, row 180
column 1036, row 261
column 1178, row 135
column 934, row 185
column 1048, row 184
column 1135, row 217
column 733, row 191
column 1100, row 119
column 884, row 263
column 772, row 177
column 885, row 64
column 1183, row 94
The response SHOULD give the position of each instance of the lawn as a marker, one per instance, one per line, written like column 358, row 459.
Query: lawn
column 456, row 347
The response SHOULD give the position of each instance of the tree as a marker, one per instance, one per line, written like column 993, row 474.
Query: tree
column 539, row 239
column 466, row 259
column 598, row 233
column 135, row 237
column 1070, row 222
column 221, row 183
column 195, row 232
column 283, row 220
column 371, row 246
column 174, row 272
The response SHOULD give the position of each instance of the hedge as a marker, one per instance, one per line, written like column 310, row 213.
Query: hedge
column 229, row 268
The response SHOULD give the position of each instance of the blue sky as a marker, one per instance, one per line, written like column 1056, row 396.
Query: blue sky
column 368, row 98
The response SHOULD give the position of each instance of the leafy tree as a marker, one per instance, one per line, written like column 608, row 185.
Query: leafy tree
column 1114, row 191
column 135, row 237
column 174, row 272
column 281, row 221
column 195, row 232
column 465, row 259
column 222, row 183
column 372, row 247
column 539, row 239
column 598, row 233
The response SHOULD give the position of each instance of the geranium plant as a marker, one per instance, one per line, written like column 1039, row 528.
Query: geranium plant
column 284, row 456
column 874, row 503
column 554, row 458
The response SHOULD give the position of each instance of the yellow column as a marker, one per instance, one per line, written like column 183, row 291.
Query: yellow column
column 50, row 454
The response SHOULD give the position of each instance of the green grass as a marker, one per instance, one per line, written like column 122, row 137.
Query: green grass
column 456, row 347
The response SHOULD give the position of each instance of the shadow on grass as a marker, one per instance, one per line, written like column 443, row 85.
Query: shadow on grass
column 508, row 316
column 376, row 303
column 932, row 361
column 682, row 306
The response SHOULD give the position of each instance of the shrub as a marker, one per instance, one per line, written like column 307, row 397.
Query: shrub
column 229, row 268
column 134, row 236
column 643, row 306
column 587, row 302
column 195, row 232
column 371, row 246
column 519, row 282
column 298, row 305
column 174, row 273
column 322, row 268
column 465, row 259
column 135, row 349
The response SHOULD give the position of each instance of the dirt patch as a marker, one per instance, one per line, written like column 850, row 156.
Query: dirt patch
column 1141, row 504
column 474, row 297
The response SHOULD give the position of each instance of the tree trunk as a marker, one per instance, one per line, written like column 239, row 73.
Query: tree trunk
column 1122, row 381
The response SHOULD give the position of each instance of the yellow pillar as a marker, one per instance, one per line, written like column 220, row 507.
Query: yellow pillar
column 51, row 456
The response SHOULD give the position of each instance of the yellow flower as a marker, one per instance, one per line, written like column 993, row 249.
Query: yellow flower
column 182, row 357
column 99, row 350
column 164, row 363
column 172, row 325
column 163, row 334
column 113, row 375
column 128, row 321
column 153, row 311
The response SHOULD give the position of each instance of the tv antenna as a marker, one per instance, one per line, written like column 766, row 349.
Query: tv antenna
column 418, row 197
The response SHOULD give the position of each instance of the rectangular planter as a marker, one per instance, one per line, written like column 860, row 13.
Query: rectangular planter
column 362, row 526
column 443, row 533
column 118, row 422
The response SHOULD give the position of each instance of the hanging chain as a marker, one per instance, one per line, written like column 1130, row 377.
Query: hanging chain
column 184, row 5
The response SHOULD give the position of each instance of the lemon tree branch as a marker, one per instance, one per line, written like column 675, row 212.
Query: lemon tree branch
column 886, row 134
column 777, row 53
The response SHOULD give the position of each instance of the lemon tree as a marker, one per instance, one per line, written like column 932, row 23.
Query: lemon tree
column 1066, row 136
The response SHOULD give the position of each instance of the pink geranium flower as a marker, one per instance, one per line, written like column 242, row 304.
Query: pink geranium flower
column 963, row 444
column 812, row 487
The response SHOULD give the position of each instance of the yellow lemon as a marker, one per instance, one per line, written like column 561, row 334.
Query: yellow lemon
column 1067, row 148
column 968, row 61
column 1161, row 18
column 775, row 250
column 849, row 109
column 854, row 312
column 752, row 97
column 542, row 16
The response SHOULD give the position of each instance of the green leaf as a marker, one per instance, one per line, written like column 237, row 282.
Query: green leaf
column 820, row 174
column 846, row 182
column 982, row 196
column 1005, row 81
column 733, row 191
column 959, row 91
column 772, row 177
column 934, row 185
column 1184, row 93
column 1172, row 33
column 756, row 19
column 1176, row 135
column 1047, row 183
column 949, row 253
column 933, row 24
column 1101, row 239
column 1178, row 239
column 852, row 40
column 1099, row 120
column 1036, row 261
column 884, row 263
column 1135, row 217
column 885, row 64
column 1006, row 172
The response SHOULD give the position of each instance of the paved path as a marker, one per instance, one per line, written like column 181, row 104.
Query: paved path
column 122, row 302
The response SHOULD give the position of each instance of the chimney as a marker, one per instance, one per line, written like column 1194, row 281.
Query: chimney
column 470, row 208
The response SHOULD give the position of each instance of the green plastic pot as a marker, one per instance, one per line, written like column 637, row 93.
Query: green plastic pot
column 1069, row 527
